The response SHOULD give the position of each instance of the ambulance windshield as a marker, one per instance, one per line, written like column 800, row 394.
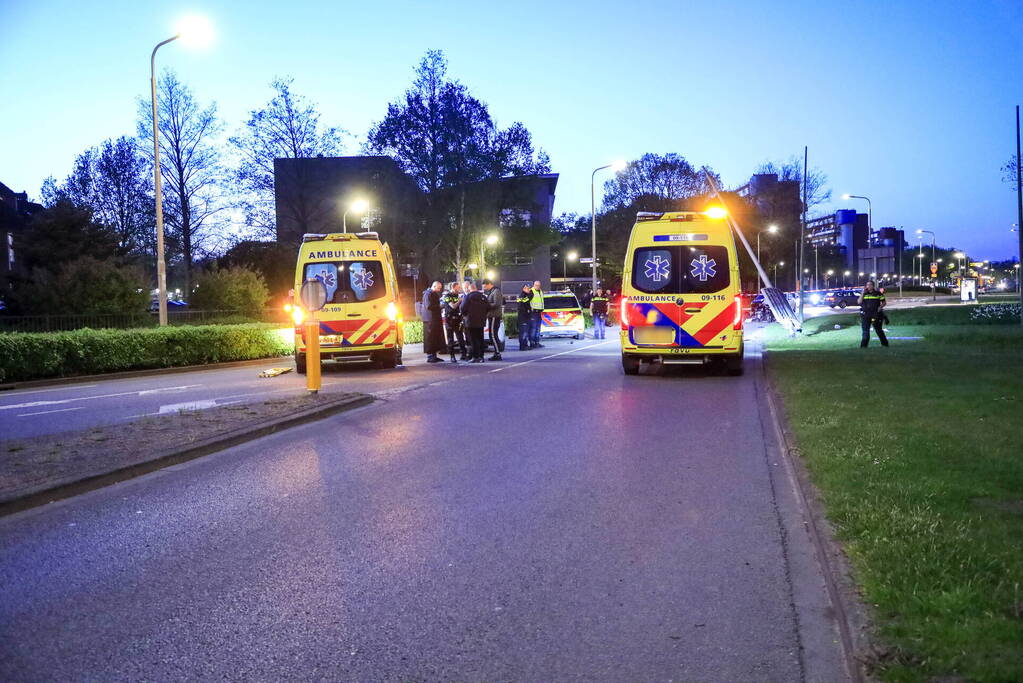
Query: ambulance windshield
column 349, row 281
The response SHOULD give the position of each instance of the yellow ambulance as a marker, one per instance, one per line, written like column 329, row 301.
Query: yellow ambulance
column 681, row 301
column 361, row 320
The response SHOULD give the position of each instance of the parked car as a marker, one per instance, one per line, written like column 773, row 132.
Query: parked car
column 840, row 298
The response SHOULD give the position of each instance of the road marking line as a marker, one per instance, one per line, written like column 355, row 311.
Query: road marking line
column 47, row 412
column 554, row 355
column 144, row 392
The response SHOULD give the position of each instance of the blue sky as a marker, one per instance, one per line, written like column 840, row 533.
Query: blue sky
column 910, row 103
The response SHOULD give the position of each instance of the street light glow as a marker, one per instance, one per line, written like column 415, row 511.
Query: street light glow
column 847, row 197
column 572, row 256
column 358, row 206
column 618, row 165
column 195, row 31
column 492, row 239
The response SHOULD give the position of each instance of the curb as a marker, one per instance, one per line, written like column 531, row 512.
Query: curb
column 73, row 487
column 841, row 589
column 128, row 374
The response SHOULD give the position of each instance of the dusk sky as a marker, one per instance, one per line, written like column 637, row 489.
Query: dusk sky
column 909, row 103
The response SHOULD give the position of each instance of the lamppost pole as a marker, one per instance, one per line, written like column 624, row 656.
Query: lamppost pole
column 934, row 294
column 618, row 165
column 771, row 229
column 1019, row 203
column 161, row 264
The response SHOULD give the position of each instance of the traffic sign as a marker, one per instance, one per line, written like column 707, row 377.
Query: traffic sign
column 586, row 260
column 313, row 295
column 934, row 269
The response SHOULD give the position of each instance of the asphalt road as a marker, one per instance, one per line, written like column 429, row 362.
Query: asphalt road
column 550, row 519
column 26, row 413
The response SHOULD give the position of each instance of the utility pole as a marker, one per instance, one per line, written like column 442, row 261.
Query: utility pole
column 1019, row 208
column 802, row 239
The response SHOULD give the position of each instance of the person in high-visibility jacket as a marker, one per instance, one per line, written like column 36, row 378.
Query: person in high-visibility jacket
column 872, row 303
column 536, row 316
column 598, row 307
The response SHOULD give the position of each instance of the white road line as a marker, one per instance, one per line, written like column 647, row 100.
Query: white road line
column 553, row 355
column 35, row 404
column 47, row 412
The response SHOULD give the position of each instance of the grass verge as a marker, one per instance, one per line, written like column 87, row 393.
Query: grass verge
column 916, row 450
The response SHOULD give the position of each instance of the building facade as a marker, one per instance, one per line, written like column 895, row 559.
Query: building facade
column 15, row 213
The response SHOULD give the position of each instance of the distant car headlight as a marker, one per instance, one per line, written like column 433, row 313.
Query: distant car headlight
column 815, row 298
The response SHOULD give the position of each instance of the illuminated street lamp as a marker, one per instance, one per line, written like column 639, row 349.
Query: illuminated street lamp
column 357, row 207
column 194, row 31
column 488, row 241
column 570, row 256
column 780, row 263
column 615, row 166
column 870, row 220
column 771, row 229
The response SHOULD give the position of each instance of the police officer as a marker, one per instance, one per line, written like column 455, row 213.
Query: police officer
column 872, row 303
column 598, row 307
column 495, row 316
column 536, row 316
column 474, row 312
column 525, row 312
column 450, row 303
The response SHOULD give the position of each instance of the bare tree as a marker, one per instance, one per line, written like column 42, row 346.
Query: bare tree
column 287, row 127
column 115, row 181
column 190, row 163
column 817, row 191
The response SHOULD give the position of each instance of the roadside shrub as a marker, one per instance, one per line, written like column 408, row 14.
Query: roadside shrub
column 84, row 286
column 26, row 355
column 236, row 288
column 413, row 331
column 995, row 313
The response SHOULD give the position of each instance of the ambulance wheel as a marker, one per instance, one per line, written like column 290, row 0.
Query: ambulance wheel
column 630, row 365
column 300, row 363
column 386, row 360
column 734, row 366
column 842, row 304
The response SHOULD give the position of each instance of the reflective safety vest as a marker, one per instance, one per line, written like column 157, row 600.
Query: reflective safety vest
column 537, row 302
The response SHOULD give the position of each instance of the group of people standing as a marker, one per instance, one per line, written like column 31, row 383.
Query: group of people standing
column 455, row 321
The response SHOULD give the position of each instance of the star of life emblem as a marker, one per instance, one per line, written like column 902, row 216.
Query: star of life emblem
column 327, row 278
column 657, row 268
column 362, row 279
column 703, row 268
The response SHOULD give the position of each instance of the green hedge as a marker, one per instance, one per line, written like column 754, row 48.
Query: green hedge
column 31, row 355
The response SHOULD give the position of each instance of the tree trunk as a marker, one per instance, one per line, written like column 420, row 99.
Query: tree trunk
column 186, row 243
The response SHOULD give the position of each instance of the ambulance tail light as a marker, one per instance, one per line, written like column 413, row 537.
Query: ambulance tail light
column 392, row 311
column 297, row 314
column 623, row 313
column 737, row 321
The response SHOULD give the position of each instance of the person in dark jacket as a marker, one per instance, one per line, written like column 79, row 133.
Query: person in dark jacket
column 598, row 307
column 474, row 313
column 525, row 313
column 450, row 303
column 495, row 316
column 433, row 324
column 536, row 320
column 872, row 302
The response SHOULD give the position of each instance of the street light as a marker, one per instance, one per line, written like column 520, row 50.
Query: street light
column 488, row 241
column 194, row 31
column 570, row 256
column 615, row 166
column 780, row 263
column 870, row 220
column 357, row 207
column 771, row 229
